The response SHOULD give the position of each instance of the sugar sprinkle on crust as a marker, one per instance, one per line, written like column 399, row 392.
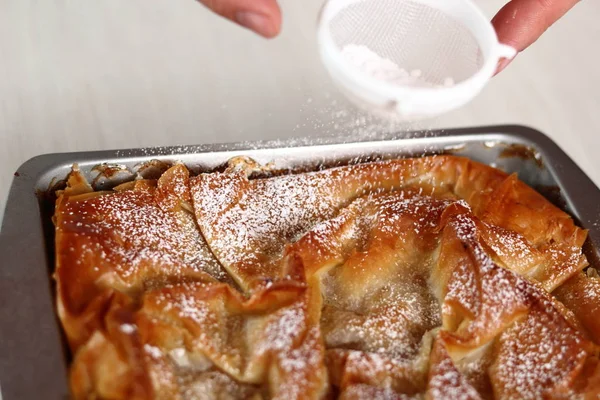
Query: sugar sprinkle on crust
column 434, row 277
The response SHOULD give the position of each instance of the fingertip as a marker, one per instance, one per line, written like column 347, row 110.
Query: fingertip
column 260, row 16
column 521, row 22
column 502, row 64
column 512, row 25
column 277, row 19
column 259, row 23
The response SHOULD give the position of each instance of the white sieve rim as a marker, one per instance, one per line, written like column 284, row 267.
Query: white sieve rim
column 333, row 59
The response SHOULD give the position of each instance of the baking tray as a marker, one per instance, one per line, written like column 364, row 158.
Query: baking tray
column 33, row 356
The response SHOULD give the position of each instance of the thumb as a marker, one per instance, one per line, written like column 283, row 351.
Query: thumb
column 260, row 16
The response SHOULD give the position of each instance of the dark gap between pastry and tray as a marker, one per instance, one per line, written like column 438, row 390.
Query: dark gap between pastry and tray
column 46, row 201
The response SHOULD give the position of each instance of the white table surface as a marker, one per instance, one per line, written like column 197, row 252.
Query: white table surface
column 89, row 75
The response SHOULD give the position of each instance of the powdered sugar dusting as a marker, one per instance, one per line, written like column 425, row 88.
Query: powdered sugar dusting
column 128, row 328
column 288, row 325
column 280, row 206
column 153, row 351
column 131, row 232
column 537, row 355
column 372, row 302
column 448, row 383
column 510, row 244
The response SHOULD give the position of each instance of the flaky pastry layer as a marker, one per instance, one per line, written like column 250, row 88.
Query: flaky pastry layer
column 434, row 277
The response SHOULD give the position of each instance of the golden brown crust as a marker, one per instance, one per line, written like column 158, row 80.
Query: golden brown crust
column 581, row 294
column 433, row 277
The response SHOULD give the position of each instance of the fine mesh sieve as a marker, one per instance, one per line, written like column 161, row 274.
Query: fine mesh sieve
column 409, row 59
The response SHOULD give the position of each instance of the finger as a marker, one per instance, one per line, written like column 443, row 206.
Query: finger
column 521, row 22
column 260, row 16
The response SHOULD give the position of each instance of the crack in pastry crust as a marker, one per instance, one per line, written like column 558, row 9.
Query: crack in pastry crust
column 433, row 277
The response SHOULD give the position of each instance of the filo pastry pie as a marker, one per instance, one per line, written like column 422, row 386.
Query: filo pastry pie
column 425, row 278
